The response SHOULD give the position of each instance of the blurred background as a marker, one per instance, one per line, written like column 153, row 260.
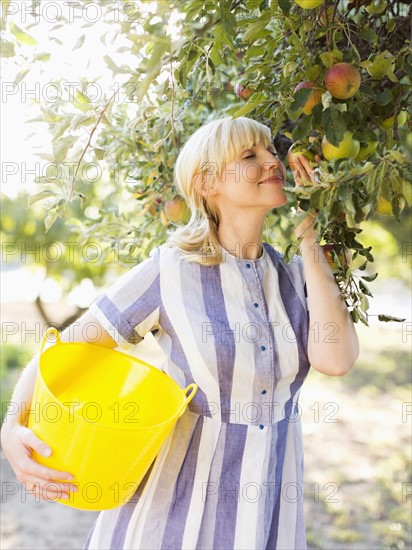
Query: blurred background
column 358, row 484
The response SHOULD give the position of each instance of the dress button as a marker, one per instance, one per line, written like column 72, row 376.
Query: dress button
column 263, row 348
column 263, row 392
column 256, row 304
column 261, row 426
column 247, row 265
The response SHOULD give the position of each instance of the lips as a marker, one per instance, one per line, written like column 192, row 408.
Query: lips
column 273, row 179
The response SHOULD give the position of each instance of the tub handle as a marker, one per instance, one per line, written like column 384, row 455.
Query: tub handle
column 189, row 397
column 49, row 332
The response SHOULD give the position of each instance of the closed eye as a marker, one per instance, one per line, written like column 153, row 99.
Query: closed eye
column 270, row 148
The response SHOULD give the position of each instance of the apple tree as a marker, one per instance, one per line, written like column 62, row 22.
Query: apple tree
column 330, row 77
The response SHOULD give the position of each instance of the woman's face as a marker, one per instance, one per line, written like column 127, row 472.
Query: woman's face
column 255, row 179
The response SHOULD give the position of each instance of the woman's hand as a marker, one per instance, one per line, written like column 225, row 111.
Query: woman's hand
column 18, row 443
column 305, row 173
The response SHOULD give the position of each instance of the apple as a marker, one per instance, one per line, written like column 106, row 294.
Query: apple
column 242, row 91
column 344, row 256
column 309, row 4
column 365, row 150
column 154, row 205
column 314, row 98
column 176, row 210
column 387, row 123
column 342, row 80
column 348, row 148
column 296, row 150
column 383, row 207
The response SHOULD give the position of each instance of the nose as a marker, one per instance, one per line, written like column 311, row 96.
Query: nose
column 274, row 164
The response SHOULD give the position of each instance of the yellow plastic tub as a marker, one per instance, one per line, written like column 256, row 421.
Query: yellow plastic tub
column 105, row 415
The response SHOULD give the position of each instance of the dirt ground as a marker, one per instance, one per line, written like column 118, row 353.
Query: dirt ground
column 356, row 443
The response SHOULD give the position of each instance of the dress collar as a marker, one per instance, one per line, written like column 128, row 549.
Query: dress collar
column 228, row 257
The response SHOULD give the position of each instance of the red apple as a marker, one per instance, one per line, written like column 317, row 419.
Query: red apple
column 242, row 91
column 342, row 80
column 314, row 98
column 176, row 210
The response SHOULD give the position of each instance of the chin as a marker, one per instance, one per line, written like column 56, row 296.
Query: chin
column 281, row 201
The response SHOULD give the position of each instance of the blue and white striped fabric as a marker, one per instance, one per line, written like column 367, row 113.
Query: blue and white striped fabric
column 231, row 474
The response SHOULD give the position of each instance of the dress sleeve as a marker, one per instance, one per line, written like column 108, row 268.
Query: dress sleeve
column 129, row 309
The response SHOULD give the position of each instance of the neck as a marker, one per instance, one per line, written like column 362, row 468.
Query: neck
column 242, row 237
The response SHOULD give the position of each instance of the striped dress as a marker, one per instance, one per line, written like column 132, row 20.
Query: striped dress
column 230, row 476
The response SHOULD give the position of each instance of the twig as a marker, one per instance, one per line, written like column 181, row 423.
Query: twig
column 72, row 185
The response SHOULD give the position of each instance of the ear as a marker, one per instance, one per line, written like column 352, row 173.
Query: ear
column 204, row 188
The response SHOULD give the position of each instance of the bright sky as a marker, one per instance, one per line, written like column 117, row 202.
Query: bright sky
column 20, row 140
column 19, row 103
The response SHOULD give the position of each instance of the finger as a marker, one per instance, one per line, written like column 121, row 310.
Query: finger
column 303, row 170
column 31, row 440
column 305, row 164
column 50, row 489
column 36, row 470
column 47, row 492
column 303, row 160
column 296, row 176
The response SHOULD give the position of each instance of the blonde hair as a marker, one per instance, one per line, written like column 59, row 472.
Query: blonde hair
column 209, row 148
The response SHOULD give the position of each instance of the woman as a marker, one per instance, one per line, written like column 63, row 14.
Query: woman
column 236, row 319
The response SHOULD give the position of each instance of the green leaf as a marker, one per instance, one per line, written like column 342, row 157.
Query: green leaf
column 215, row 56
column 61, row 148
column 99, row 152
column 390, row 25
column 228, row 22
column 369, row 35
column 362, row 318
column 111, row 64
column 21, row 75
column 42, row 57
column 79, row 42
column 7, row 48
column 334, row 125
column 22, row 36
column 391, row 75
column 397, row 156
column 302, row 128
column 49, row 115
column 387, row 318
column 285, row 5
column 40, row 196
column 384, row 97
column 4, row 12
column 369, row 278
column 365, row 289
column 290, row 67
column 299, row 98
column 254, row 31
column 81, row 120
column 254, row 101
column 59, row 128
column 329, row 58
column 50, row 219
